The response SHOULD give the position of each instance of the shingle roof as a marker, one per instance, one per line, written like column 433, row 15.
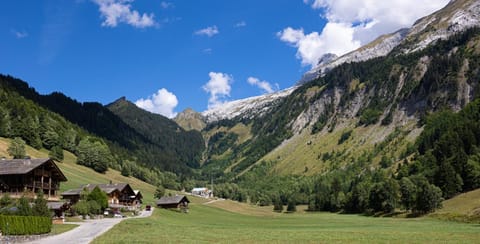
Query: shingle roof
column 23, row 166
column 171, row 200
column 107, row 188
column 55, row 205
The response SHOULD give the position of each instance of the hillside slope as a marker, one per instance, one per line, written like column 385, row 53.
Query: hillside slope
column 369, row 108
column 173, row 140
column 78, row 175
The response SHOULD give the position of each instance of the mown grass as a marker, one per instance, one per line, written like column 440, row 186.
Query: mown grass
column 205, row 224
column 61, row 228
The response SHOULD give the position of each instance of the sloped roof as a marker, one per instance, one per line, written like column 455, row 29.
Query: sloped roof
column 171, row 200
column 55, row 205
column 71, row 192
column 107, row 188
column 24, row 166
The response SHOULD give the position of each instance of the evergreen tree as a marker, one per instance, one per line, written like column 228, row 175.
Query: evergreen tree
column 126, row 170
column 56, row 153
column 17, row 148
column 24, row 208
column 159, row 192
column 40, row 207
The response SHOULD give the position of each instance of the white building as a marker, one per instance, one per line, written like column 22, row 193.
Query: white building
column 202, row 192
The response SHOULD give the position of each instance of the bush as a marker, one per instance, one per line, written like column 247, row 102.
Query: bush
column 25, row 225
column 370, row 116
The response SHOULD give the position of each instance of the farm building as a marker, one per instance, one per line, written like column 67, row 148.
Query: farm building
column 26, row 177
column 120, row 195
column 202, row 192
column 178, row 201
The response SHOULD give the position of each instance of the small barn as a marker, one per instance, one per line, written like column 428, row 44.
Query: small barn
column 178, row 201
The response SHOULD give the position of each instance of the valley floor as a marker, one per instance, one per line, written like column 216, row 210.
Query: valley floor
column 208, row 224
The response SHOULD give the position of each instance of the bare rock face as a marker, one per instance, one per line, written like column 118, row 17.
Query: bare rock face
column 190, row 120
column 457, row 16
column 245, row 108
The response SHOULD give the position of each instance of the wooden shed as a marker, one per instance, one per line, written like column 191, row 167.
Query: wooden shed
column 178, row 201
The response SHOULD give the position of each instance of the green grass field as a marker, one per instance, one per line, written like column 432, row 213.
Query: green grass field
column 205, row 224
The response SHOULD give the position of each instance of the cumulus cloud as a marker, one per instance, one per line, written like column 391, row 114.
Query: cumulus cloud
column 219, row 88
column 241, row 24
column 162, row 102
column 265, row 86
column 351, row 24
column 209, row 31
column 335, row 38
column 120, row 11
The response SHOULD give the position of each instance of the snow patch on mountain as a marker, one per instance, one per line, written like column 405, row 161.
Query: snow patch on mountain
column 245, row 108
column 457, row 16
column 378, row 48
column 443, row 24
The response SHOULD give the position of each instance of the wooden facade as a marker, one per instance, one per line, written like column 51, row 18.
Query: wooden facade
column 119, row 194
column 178, row 201
column 27, row 177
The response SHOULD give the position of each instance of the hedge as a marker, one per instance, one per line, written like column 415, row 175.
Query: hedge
column 24, row 225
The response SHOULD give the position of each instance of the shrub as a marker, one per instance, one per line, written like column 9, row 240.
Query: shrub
column 25, row 225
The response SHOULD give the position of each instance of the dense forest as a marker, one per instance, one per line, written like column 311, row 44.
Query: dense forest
column 442, row 163
column 97, row 136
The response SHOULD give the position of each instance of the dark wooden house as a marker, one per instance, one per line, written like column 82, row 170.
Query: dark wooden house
column 178, row 201
column 120, row 195
column 27, row 177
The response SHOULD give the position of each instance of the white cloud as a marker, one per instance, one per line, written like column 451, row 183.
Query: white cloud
column 335, row 38
column 263, row 85
column 207, row 51
column 219, row 88
column 241, row 24
column 351, row 24
column 209, row 31
column 163, row 102
column 166, row 5
column 119, row 11
column 20, row 34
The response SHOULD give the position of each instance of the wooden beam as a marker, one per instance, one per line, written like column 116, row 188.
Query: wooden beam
column 49, row 186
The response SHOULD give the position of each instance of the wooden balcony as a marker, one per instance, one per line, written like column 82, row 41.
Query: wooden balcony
column 17, row 195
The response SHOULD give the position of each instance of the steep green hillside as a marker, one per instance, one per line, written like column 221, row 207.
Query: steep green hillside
column 376, row 105
column 125, row 141
column 42, row 128
column 174, row 141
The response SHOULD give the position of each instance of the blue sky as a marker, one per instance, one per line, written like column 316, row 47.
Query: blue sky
column 170, row 55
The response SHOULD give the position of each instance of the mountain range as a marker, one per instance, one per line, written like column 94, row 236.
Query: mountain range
column 366, row 108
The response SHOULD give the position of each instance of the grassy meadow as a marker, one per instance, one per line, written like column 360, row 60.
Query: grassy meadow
column 208, row 224
column 78, row 175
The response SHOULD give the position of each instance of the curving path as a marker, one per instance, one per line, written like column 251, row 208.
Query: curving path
column 86, row 231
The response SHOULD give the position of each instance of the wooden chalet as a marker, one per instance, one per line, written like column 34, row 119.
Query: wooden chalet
column 27, row 177
column 178, row 201
column 120, row 195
